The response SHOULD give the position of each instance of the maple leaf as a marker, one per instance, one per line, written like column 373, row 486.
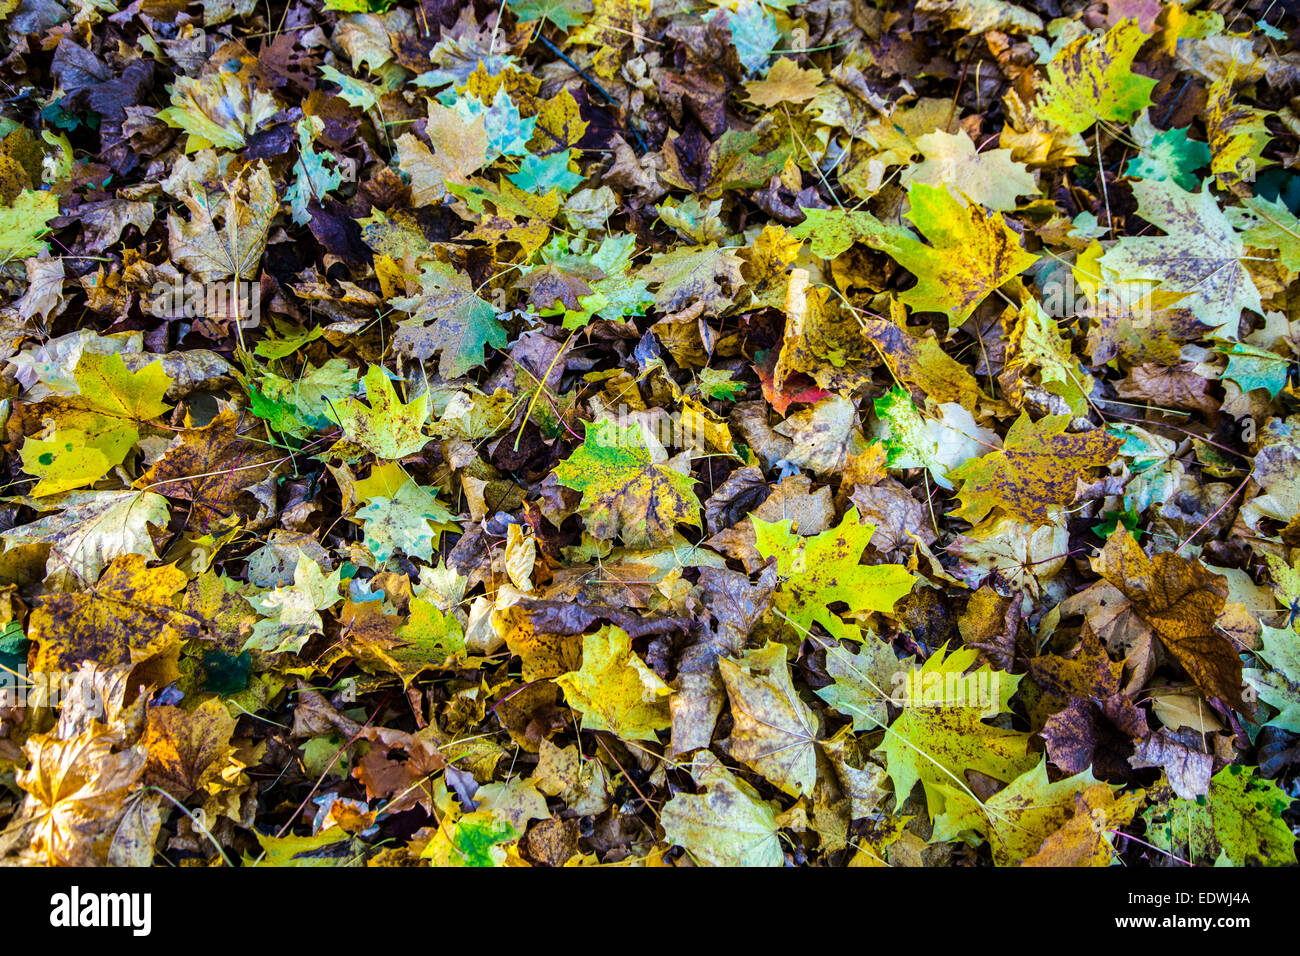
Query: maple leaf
column 754, row 34
column 431, row 638
column 774, row 731
column 818, row 571
column 989, row 178
column 972, row 252
column 786, row 82
column 291, row 614
column 187, row 751
column 1092, row 78
column 448, row 318
column 223, row 239
column 563, row 13
column 460, row 148
column 95, row 430
column 1034, row 822
column 1268, row 225
column 23, row 223
column 312, row 177
column 833, row 231
column 920, row 361
column 1279, row 685
column 1237, row 134
column 1167, row 154
column 1024, row 555
column 862, row 682
column 213, row 467
column 732, row 161
column 385, row 426
column 1252, row 367
column 1200, row 256
column 1239, row 822
column 78, row 800
column 507, row 132
column 614, row 690
column 728, row 824
column 938, row 443
column 1181, row 600
column 624, row 491
column 90, row 531
column 217, row 109
column 428, row 640
column 398, row 513
column 1035, row 470
column 474, row 839
column 705, row 273
column 306, row 403
column 1037, row 342
column 941, row 734
column 127, row 616
column 560, row 126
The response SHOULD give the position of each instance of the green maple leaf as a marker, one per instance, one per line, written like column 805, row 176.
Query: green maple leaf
column 1279, row 685
column 291, row 614
column 821, row 570
column 862, row 683
column 540, row 175
column 95, row 430
column 433, row 640
column 754, row 33
column 972, row 251
column 22, row 223
column 1170, row 155
column 354, row 92
column 832, row 231
column 307, row 403
column 1269, row 225
column 312, row 177
column 1092, row 78
column 1200, row 255
column 718, row 384
column 617, row 294
column 411, row 520
column 1034, row 472
column 1238, row 822
column 474, row 839
column 1252, row 367
column 385, row 427
column 448, row 318
column 624, row 492
column 941, row 734
column 938, row 443
column 565, row 14
column 689, row 274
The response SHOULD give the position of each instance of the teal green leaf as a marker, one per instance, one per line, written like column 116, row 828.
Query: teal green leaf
column 565, row 14
column 542, row 175
column 1252, row 368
